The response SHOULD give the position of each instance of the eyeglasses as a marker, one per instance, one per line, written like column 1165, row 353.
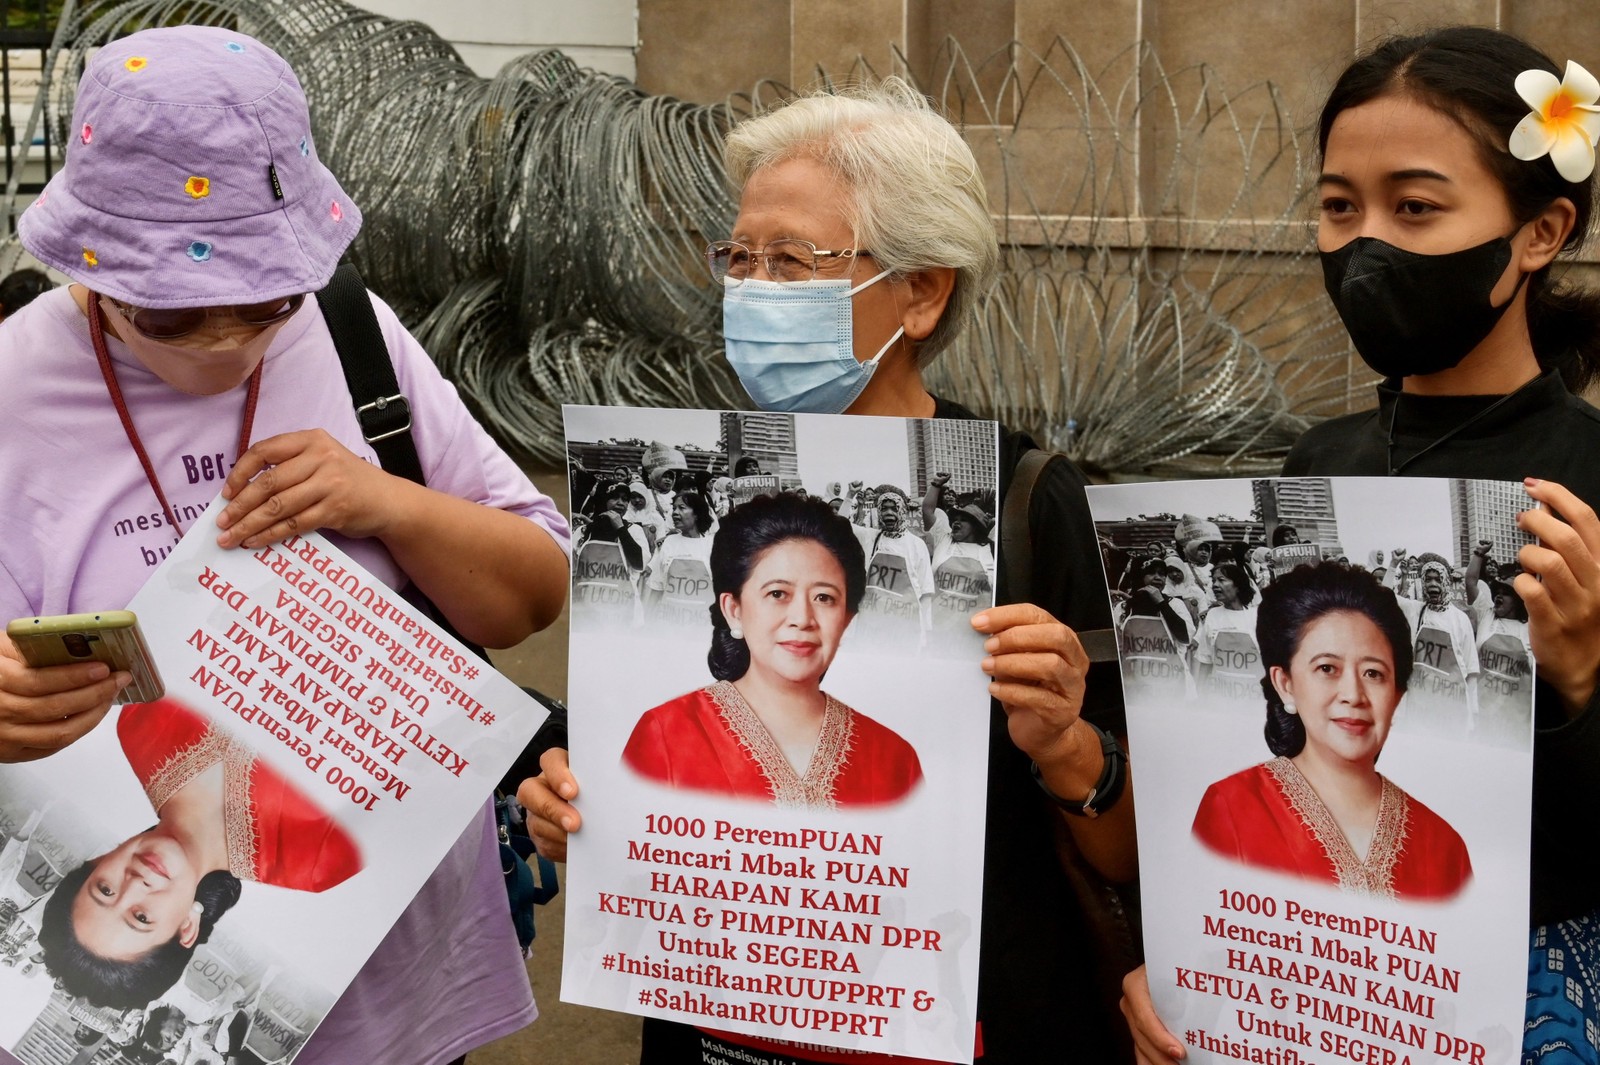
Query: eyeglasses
column 785, row 260
column 170, row 323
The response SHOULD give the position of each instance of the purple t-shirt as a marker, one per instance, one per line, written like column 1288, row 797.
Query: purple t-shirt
column 81, row 530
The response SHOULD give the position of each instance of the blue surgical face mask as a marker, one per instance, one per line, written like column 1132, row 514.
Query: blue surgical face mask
column 793, row 344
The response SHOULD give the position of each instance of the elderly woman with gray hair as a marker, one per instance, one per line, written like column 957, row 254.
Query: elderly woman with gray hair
column 862, row 244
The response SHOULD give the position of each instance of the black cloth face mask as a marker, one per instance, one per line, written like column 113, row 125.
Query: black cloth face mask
column 1410, row 314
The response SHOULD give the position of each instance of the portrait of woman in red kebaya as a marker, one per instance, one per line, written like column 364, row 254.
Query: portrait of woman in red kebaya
column 788, row 575
column 1338, row 654
column 120, row 928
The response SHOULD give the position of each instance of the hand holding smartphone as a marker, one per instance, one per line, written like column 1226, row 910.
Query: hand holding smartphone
column 111, row 636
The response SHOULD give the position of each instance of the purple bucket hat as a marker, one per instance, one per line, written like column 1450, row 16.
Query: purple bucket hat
column 191, row 179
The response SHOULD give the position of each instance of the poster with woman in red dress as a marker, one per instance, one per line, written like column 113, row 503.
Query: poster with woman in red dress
column 792, row 801
column 1351, row 825
column 213, row 867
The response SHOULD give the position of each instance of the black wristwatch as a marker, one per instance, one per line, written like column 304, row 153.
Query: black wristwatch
column 1106, row 791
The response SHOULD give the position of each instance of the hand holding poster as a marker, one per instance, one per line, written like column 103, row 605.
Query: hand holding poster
column 1327, row 910
column 789, row 844
column 320, row 747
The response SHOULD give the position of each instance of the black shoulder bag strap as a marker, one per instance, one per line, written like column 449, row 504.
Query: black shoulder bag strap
column 385, row 417
column 383, row 411
column 1016, row 539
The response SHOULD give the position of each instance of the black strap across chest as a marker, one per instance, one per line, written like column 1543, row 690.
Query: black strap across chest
column 381, row 408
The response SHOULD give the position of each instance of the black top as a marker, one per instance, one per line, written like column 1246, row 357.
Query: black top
column 1541, row 431
column 1036, row 974
column 1038, row 996
column 1068, row 579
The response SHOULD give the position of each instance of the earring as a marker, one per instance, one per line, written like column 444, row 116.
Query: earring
column 198, row 910
column 736, row 632
column 1289, row 707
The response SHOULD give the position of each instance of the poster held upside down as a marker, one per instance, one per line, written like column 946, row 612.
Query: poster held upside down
column 320, row 748
column 1328, row 911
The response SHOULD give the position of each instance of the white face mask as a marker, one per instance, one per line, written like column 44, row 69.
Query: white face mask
column 225, row 357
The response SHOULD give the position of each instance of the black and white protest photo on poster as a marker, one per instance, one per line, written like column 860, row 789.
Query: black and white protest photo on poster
column 1330, row 699
column 774, row 682
column 646, row 511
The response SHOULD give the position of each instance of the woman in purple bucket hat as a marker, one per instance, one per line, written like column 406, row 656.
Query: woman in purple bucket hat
column 195, row 218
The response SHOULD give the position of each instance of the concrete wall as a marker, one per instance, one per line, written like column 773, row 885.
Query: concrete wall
column 596, row 33
column 704, row 49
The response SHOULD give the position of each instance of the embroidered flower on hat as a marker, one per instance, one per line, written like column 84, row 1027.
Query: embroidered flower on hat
column 86, row 134
column 200, row 251
column 234, row 46
column 136, row 63
column 40, row 201
column 198, row 187
column 1565, row 122
column 90, row 257
column 305, row 145
column 336, row 212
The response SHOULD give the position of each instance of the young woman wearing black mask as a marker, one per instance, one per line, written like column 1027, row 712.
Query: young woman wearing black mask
column 1454, row 172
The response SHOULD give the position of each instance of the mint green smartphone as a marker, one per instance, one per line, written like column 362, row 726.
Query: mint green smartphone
column 111, row 636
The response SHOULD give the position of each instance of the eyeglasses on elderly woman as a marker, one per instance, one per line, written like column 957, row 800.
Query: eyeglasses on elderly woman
column 785, row 261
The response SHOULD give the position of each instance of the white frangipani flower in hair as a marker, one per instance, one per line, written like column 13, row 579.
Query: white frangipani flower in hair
column 1565, row 122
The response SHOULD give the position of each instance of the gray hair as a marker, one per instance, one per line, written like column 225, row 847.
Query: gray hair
column 917, row 197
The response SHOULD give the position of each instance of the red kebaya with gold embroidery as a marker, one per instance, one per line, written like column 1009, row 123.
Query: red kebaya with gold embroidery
column 1269, row 816
column 711, row 740
column 276, row 834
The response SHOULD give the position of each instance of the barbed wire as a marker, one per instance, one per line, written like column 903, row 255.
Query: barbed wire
column 541, row 231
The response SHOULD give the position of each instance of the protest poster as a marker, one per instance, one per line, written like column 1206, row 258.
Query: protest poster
column 749, row 486
column 964, row 586
column 321, row 738
column 824, row 891
column 1286, row 557
column 1276, row 930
